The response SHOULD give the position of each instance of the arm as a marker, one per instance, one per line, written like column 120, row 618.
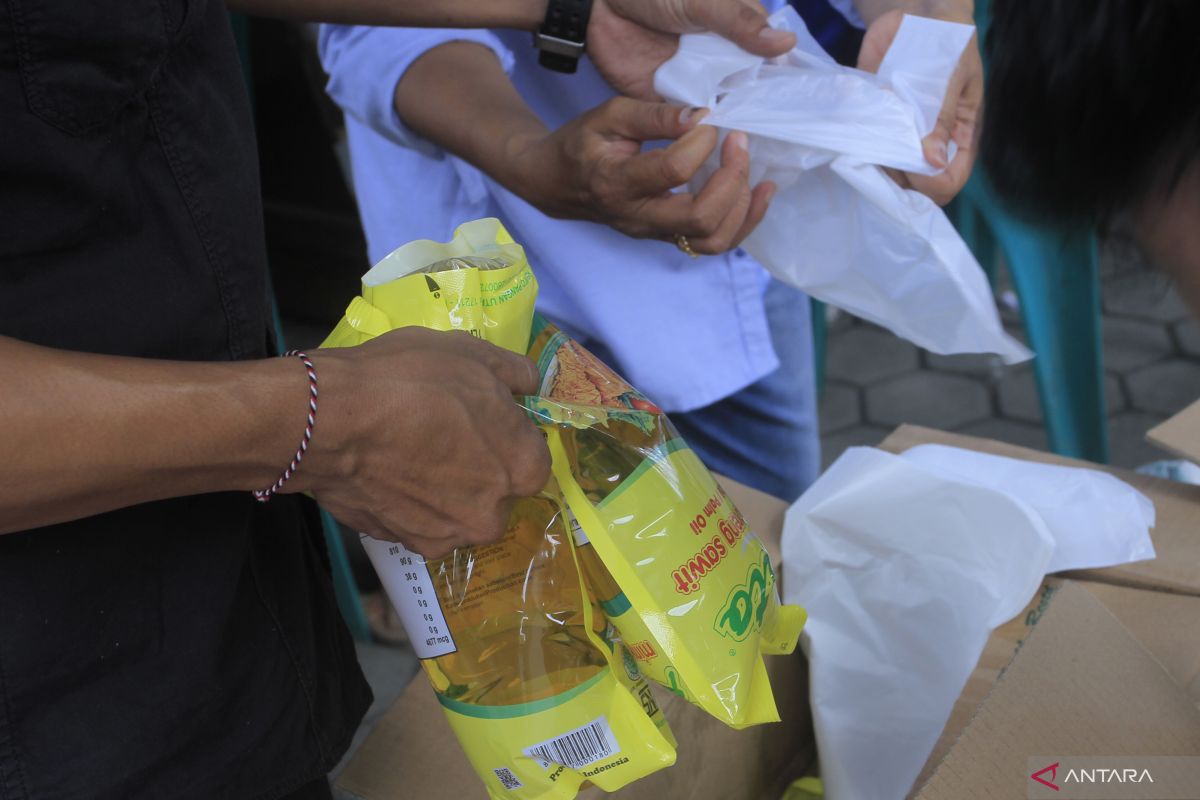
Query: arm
column 458, row 97
column 518, row 14
column 82, row 434
column 627, row 39
column 964, row 95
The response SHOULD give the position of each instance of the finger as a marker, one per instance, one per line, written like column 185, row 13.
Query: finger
column 515, row 371
column 743, row 22
column 529, row 456
column 943, row 187
column 645, row 121
column 900, row 178
column 654, row 172
column 725, row 199
column 700, row 215
column 878, row 39
column 760, row 202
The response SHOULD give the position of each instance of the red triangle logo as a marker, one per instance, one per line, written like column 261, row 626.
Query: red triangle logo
column 1053, row 770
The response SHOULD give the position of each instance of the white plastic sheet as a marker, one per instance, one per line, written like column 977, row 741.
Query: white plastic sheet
column 905, row 565
column 839, row 228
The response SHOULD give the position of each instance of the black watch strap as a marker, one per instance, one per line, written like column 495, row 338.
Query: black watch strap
column 562, row 38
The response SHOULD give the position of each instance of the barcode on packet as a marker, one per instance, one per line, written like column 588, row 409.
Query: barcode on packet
column 507, row 779
column 578, row 748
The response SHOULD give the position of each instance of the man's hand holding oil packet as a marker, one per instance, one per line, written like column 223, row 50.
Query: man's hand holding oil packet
column 631, row 564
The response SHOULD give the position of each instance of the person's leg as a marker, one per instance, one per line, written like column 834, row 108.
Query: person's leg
column 766, row 435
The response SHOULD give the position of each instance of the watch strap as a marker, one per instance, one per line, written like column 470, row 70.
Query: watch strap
column 562, row 38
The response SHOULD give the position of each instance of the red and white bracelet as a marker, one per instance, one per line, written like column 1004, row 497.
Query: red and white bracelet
column 264, row 495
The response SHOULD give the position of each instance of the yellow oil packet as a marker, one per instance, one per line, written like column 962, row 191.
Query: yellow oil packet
column 508, row 634
column 675, row 566
column 479, row 282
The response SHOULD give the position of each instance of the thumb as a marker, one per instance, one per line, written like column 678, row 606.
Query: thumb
column 936, row 144
column 743, row 22
column 645, row 121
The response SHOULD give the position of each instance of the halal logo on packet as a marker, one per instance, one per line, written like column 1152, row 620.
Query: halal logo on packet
column 744, row 609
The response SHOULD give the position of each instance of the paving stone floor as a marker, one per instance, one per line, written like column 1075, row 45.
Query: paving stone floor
column 875, row 381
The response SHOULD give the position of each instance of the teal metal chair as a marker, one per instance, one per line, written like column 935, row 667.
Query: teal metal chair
column 1056, row 277
column 344, row 587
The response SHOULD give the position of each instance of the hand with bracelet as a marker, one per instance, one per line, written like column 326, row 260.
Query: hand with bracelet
column 85, row 434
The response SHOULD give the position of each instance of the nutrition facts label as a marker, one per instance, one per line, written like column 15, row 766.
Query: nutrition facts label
column 408, row 585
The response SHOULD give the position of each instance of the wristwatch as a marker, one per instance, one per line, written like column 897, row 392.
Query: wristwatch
column 562, row 38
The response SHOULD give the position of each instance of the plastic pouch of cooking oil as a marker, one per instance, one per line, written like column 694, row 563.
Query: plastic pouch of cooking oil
column 673, row 563
column 507, row 633
column 515, row 650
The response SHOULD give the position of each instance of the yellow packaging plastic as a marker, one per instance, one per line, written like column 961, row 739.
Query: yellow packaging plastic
column 675, row 567
column 508, row 633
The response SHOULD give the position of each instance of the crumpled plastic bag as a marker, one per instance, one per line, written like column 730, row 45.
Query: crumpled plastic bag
column 839, row 228
column 906, row 564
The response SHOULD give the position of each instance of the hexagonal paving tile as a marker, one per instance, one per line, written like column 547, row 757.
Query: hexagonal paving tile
column 1187, row 335
column 1127, row 445
column 1017, row 396
column 1011, row 431
column 835, row 444
column 1114, row 395
column 1145, row 295
column 1131, row 343
column 985, row 364
column 839, row 407
column 865, row 354
column 1165, row 388
column 928, row 398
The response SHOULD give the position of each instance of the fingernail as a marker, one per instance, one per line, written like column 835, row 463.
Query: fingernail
column 940, row 154
column 740, row 141
column 775, row 36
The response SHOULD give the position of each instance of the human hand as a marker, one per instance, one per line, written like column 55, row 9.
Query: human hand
column 419, row 441
column 629, row 39
column 960, row 109
column 593, row 168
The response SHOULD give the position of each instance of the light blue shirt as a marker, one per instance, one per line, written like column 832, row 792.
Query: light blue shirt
column 687, row 332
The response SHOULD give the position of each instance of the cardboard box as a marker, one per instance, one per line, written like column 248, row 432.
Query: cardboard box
column 1102, row 662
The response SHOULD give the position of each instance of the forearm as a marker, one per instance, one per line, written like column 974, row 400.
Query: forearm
column 458, row 96
column 518, row 14
column 82, row 434
column 956, row 10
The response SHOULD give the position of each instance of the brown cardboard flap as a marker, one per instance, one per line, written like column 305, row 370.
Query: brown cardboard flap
column 1167, row 625
column 1176, row 534
column 1180, row 434
column 997, row 654
column 715, row 761
column 1080, row 684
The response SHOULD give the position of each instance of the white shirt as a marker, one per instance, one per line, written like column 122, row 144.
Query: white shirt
column 687, row 332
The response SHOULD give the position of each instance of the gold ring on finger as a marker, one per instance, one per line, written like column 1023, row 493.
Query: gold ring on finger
column 683, row 244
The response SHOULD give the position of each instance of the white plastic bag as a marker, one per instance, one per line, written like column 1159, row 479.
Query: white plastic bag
column 839, row 228
column 906, row 564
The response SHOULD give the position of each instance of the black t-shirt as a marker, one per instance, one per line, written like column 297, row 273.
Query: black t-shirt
column 191, row 647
